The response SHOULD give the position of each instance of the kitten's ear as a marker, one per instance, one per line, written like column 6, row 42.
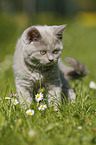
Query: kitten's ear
column 33, row 35
column 59, row 31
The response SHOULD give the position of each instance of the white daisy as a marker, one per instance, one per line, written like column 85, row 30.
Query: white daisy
column 7, row 98
column 13, row 95
column 79, row 127
column 39, row 97
column 42, row 107
column 30, row 112
column 15, row 101
column 92, row 85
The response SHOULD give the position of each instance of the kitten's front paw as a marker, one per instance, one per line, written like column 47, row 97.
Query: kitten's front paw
column 54, row 97
column 71, row 95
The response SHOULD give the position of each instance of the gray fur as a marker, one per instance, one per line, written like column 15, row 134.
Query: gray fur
column 32, row 68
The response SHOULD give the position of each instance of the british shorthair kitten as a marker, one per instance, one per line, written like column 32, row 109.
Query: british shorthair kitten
column 37, row 60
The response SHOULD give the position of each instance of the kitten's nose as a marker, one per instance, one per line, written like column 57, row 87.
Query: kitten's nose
column 50, row 57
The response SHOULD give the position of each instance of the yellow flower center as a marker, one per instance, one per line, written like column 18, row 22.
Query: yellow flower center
column 7, row 97
column 42, row 106
column 15, row 101
column 29, row 113
column 38, row 96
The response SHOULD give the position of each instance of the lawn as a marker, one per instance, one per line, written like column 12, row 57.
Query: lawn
column 73, row 123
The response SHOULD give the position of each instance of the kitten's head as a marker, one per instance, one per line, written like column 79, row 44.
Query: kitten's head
column 42, row 45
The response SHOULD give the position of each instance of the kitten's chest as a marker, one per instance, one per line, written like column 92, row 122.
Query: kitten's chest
column 36, row 77
column 40, row 78
column 44, row 77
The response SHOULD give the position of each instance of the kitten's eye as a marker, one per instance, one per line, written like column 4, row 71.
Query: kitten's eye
column 43, row 52
column 55, row 51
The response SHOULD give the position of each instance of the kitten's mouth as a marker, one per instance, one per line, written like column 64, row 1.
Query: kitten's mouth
column 51, row 63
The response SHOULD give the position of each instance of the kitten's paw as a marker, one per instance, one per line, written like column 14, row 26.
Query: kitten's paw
column 71, row 95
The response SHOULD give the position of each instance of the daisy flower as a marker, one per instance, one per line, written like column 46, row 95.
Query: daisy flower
column 15, row 102
column 14, row 95
column 80, row 127
column 7, row 98
column 42, row 107
column 92, row 85
column 30, row 112
column 39, row 97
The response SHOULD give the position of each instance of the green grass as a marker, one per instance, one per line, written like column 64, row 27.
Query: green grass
column 48, row 127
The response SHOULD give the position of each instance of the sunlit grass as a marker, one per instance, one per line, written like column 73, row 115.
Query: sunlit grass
column 73, row 123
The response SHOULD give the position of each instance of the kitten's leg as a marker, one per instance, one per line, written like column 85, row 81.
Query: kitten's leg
column 24, row 95
column 71, row 95
column 54, row 96
column 66, row 90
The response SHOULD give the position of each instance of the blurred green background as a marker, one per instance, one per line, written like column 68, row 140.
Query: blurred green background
column 79, row 37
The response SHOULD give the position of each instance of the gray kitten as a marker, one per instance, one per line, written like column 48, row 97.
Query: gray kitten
column 37, row 61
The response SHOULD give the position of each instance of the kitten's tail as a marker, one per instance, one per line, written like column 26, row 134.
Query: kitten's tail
column 78, row 70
